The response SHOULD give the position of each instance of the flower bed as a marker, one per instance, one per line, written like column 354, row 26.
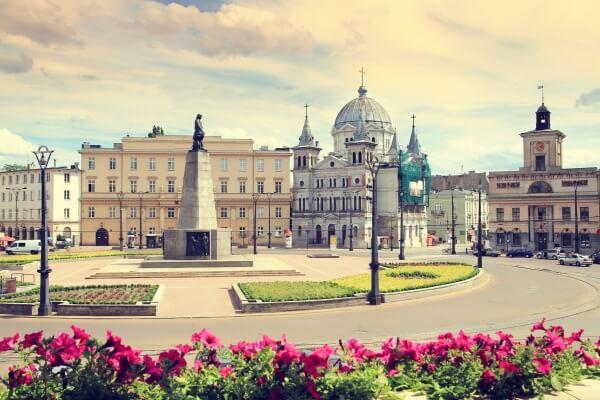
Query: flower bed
column 94, row 294
column 290, row 291
column 26, row 258
column 455, row 366
column 415, row 277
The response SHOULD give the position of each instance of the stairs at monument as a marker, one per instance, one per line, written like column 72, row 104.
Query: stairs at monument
column 190, row 274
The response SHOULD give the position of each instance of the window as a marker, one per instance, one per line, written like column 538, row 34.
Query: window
column 277, row 165
column 277, row 212
column 584, row 213
column 516, row 239
column 171, row 186
column 91, row 185
column 112, row 212
column 47, row 177
column 299, row 231
column 277, row 186
column 3, row 196
column 516, row 214
column 151, row 212
column 171, row 164
column 133, row 212
column 3, row 180
column 540, row 163
column 541, row 214
column 152, row 164
column 112, row 163
column 277, row 231
column 499, row 214
column 260, row 231
column 260, row 187
column 242, row 212
column 170, row 212
column 224, row 213
column 242, row 231
column 242, row 165
column 566, row 239
column 566, row 213
column 10, row 180
column 17, row 177
column 585, row 240
column 67, row 213
column 260, row 165
column 133, row 163
column 152, row 230
column 223, row 164
column 223, row 186
column 66, row 177
column 133, row 185
column 152, row 185
column 91, row 212
column 66, row 194
column 112, row 186
column 260, row 212
column 242, row 186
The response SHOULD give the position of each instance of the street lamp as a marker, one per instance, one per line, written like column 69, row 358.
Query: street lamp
column 255, row 197
column 269, row 195
column 349, row 195
column 16, row 192
column 43, row 155
column 121, row 196
column 374, row 295
column 401, row 204
column 141, row 194
column 479, row 232
column 453, row 225
column 576, row 220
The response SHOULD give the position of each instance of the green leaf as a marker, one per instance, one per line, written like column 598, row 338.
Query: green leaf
column 556, row 383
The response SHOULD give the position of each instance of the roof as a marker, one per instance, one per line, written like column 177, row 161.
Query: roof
column 373, row 111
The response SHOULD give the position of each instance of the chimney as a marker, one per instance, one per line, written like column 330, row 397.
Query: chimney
column 55, row 163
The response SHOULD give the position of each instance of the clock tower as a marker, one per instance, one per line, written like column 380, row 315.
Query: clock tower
column 542, row 147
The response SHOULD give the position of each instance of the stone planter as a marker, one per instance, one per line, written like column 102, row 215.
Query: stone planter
column 18, row 308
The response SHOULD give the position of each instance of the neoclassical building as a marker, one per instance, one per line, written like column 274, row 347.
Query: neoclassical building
column 332, row 194
column 543, row 205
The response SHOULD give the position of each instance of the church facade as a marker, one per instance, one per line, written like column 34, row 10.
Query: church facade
column 332, row 193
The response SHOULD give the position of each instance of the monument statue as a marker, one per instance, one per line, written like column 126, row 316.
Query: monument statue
column 198, row 134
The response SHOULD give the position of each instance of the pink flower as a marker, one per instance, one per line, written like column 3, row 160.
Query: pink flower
column 310, row 386
column 207, row 339
column 112, row 340
column 286, row 355
column 391, row 373
column 32, row 339
column 539, row 326
column 508, row 367
column 80, row 334
column 9, row 342
column 152, row 369
column 575, row 336
column 225, row 372
column 542, row 365
column 587, row 358
column 488, row 380
column 198, row 365
column 20, row 376
column 316, row 361
column 184, row 348
column 172, row 361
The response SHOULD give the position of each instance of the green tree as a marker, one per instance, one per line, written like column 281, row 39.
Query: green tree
column 13, row 167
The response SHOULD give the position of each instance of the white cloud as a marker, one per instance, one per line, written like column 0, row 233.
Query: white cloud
column 14, row 147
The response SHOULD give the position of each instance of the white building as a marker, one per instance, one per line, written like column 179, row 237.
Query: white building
column 332, row 196
column 20, row 202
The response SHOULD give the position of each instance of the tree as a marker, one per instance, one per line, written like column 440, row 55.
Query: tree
column 13, row 167
column 156, row 131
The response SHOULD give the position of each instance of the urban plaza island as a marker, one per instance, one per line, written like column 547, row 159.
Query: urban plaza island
column 248, row 257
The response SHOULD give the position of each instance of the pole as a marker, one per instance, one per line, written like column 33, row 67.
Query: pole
column 120, row 221
column 351, row 248
column 401, row 201
column 269, row 212
column 44, row 271
column 374, row 296
column 453, row 226
column 479, row 234
column 17, row 234
column 140, row 234
column 576, row 221
column 255, row 199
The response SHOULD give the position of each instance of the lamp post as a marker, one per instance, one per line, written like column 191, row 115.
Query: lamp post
column 479, row 232
column 255, row 197
column 401, row 205
column 16, row 192
column 348, row 195
column 453, row 225
column 121, row 196
column 576, row 221
column 141, row 194
column 374, row 295
column 43, row 155
column 269, row 195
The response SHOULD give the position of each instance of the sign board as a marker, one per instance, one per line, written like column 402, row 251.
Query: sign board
column 332, row 242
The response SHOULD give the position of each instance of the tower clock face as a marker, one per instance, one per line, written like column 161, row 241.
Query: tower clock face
column 540, row 146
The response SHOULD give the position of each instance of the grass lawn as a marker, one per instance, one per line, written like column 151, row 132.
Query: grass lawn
column 409, row 277
column 392, row 279
column 94, row 294
column 27, row 258
column 288, row 291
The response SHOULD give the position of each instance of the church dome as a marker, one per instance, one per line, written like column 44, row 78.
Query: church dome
column 373, row 111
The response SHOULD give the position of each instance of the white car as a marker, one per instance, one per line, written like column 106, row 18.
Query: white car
column 575, row 259
column 24, row 246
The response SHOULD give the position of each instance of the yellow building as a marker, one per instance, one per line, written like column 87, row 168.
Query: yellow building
column 148, row 171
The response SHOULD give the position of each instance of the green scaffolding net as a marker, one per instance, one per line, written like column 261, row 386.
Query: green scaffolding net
column 415, row 177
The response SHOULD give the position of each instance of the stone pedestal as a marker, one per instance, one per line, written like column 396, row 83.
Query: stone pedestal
column 183, row 244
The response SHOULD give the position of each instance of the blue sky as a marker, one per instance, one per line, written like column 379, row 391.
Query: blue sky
column 74, row 71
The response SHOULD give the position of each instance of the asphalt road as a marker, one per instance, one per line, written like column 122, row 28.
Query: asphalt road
column 519, row 293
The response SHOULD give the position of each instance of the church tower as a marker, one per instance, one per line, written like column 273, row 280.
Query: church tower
column 542, row 118
column 306, row 153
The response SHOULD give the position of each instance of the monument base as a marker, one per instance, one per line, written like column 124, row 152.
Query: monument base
column 196, row 244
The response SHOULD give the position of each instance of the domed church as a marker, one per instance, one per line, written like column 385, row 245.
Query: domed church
column 332, row 195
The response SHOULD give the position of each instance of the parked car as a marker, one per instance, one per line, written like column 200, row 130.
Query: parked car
column 487, row 252
column 552, row 254
column 24, row 246
column 520, row 253
column 575, row 259
column 595, row 256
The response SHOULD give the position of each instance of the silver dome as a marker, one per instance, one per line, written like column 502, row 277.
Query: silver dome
column 373, row 111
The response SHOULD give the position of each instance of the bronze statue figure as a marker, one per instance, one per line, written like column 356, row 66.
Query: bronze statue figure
column 198, row 134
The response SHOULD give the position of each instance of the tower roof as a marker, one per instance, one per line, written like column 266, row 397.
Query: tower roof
column 393, row 150
column 413, row 144
column 374, row 113
column 306, row 138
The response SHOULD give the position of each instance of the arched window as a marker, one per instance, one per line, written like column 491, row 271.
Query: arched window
column 360, row 157
column 540, row 187
column 353, row 157
column 304, row 161
column 299, row 161
column 355, row 231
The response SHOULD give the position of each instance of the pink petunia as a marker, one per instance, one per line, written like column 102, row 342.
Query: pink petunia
column 508, row 367
column 9, row 342
column 206, row 338
column 32, row 339
column 539, row 326
column 225, row 372
column 587, row 358
column 542, row 365
column 488, row 380
column 80, row 334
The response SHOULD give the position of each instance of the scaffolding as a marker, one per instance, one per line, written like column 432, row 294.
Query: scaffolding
column 414, row 174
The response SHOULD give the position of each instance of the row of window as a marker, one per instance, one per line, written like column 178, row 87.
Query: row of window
column 260, row 186
column 260, row 212
column 584, row 214
column 24, row 214
column 18, row 181
column 346, row 203
column 566, row 239
column 333, row 182
column 133, row 186
column 224, row 164
column 133, row 212
column 24, row 197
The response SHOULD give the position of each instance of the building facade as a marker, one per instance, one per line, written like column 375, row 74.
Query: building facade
column 466, row 215
column 20, row 203
column 149, row 172
column 468, row 181
column 332, row 194
column 543, row 205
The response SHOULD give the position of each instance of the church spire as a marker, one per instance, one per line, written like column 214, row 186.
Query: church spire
column 306, row 138
column 413, row 144
column 393, row 150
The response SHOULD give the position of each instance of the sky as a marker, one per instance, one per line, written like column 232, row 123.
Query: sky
column 93, row 70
